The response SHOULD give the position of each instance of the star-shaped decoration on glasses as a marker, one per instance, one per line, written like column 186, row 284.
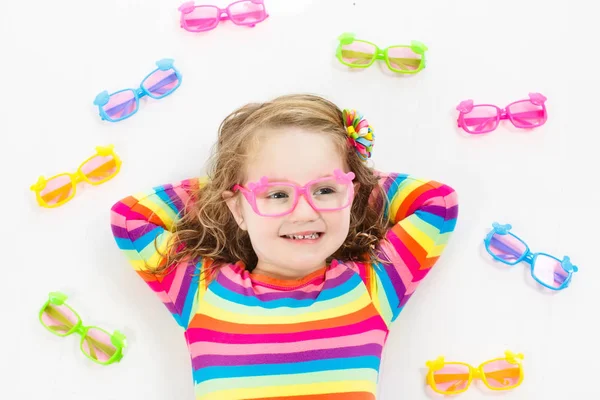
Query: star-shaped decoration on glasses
column 118, row 339
column 537, row 98
column 57, row 298
column 102, row 99
column 567, row 265
column 346, row 38
column 187, row 7
column 465, row 106
column 501, row 229
column 165, row 64
column 436, row 364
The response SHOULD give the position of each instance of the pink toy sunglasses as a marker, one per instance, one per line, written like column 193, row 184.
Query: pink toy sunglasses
column 275, row 199
column 206, row 17
column 483, row 118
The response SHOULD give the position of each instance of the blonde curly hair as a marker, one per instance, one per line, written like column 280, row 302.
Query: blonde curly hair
column 208, row 229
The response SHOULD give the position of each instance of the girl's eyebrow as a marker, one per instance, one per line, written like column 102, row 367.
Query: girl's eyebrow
column 271, row 179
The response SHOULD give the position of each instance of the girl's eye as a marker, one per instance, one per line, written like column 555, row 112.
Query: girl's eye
column 326, row 190
column 277, row 195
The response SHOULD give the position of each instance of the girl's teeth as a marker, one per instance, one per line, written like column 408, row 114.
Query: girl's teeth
column 299, row 237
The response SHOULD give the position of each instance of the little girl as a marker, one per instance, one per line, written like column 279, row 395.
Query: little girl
column 287, row 265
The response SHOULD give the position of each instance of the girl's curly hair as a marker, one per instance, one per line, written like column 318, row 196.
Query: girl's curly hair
column 207, row 227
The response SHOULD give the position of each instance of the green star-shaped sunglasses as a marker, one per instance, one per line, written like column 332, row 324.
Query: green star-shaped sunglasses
column 97, row 344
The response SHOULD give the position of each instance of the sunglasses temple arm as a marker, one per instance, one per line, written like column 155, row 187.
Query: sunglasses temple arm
column 197, row 21
column 517, row 116
column 498, row 376
column 413, row 62
column 120, row 107
column 91, row 347
column 100, row 171
column 445, row 378
column 560, row 278
column 481, row 121
column 502, row 375
column 504, row 248
column 357, row 54
column 456, row 384
column 106, row 349
column 203, row 21
column 165, row 81
column 60, row 193
column 484, row 123
column 255, row 14
column 528, row 114
column 405, row 62
column 55, row 314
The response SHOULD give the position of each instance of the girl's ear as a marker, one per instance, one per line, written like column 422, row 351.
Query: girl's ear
column 233, row 202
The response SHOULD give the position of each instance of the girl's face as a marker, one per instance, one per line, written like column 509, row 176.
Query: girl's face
column 296, row 156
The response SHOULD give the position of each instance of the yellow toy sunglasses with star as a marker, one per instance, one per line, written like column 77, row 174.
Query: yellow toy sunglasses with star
column 59, row 189
column 455, row 377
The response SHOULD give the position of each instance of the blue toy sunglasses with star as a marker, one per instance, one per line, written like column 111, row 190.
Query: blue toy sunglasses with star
column 547, row 270
column 123, row 104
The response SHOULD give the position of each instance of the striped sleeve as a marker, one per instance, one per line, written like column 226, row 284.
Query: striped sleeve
column 142, row 225
column 424, row 215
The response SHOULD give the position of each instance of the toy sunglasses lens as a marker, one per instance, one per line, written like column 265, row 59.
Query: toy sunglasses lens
column 481, row 119
column 161, row 83
column 99, row 168
column 549, row 271
column 121, row 105
column 98, row 346
column 326, row 195
column 452, row 378
column 57, row 189
column 60, row 320
column 507, row 247
column 246, row 12
column 501, row 374
column 525, row 114
column 403, row 59
column 358, row 53
column 201, row 18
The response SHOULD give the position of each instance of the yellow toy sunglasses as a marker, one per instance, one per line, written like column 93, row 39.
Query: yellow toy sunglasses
column 59, row 189
column 455, row 377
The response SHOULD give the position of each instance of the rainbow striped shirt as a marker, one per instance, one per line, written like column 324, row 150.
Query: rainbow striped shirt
column 318, row 338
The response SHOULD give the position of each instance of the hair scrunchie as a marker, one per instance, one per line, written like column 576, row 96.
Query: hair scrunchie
column 360, row 133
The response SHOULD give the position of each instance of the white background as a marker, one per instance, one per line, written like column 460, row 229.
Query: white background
column 57, row 55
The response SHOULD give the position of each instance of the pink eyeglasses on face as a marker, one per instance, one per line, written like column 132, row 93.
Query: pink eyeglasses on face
column 206, row 17
column 274, row 199
column 483, row 118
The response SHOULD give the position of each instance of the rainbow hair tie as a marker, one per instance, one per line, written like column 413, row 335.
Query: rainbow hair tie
column 360, row 133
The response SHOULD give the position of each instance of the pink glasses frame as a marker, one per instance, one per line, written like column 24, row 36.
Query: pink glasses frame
column 467, row 106
column 250, row 192
column 222, row 14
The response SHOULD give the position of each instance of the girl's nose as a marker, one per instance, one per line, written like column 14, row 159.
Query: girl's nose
column 303, row 211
